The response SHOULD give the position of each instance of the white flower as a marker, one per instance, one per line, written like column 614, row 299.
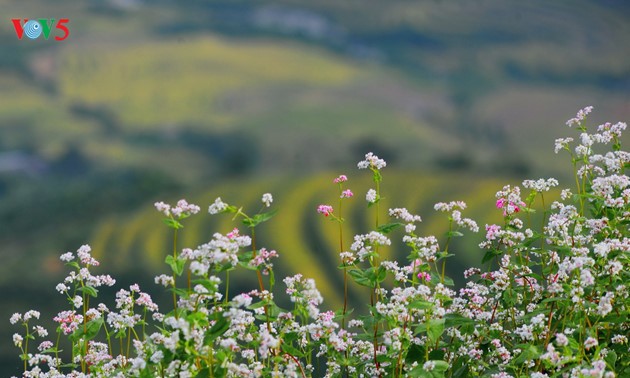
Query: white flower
column 217, row 207
column 68, row 256
column 15, row 318
column 590, row 342
column 371, row 196
column 428, row 366
column 77, row 301
column 17, row 340
column 267, row 199
column 372, row 161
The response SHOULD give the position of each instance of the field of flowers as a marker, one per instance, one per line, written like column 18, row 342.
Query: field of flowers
column 550, row 301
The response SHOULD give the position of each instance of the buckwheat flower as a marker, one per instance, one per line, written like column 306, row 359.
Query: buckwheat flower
column 446, row 207
column 267, row 199
column 340, row 179
column 619, row 339
column 68, row 256
column 562, row 339
column 348, row 258
column 405, row 215
column 157, row 357
column 586, row 277
column 605, row 304
column 580, row 116
column 217, row 207
column 326, row 210
column 164, row 280
column 185, row 209
column 372, row 161
column 590, row 342
column 562, row 144
column 424, row 276
column 31, row 314
column 346, row 194
column 428, row 366
column 40, row 331
column 242, row 300
column 233, row 234
column 15, row 318
column 61, row 288
column 371, row 196
column 45, row 345
column 540, row 185
column 83, row 253
column 163, row 208
column 17, row 340
column 409, row 228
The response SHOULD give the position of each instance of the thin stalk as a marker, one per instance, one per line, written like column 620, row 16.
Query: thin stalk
column 345, row 269
column 260, row 279
column 227, row 286
column 175, row 275
column 297, row 362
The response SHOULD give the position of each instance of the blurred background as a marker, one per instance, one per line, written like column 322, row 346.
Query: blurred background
column 161, row 100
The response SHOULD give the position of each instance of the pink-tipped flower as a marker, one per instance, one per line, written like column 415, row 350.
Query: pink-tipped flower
column 340, row 179
column 347, row 193
column 325, row 209
column 500, row 203
column 233, row 234
column 424, row 276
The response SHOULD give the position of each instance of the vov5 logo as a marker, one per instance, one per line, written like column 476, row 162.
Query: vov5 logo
column 33, row 29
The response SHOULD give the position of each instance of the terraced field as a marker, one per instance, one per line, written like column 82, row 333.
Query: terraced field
column 306, row 241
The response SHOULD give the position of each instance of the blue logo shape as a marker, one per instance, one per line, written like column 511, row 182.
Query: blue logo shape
column 32, row 29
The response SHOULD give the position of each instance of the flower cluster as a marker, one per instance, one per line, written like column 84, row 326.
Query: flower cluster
column 552, row 301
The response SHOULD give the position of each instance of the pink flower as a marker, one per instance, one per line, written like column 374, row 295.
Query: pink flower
column 500, row 203
column 325, row 209
column 340, row 179
column 424, row 276
column 233, row 234
column 347, row 193
column 492, row 231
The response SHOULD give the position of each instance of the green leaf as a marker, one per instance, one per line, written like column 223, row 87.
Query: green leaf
column 203, row 373
column 460, row 369
column 290, row 349
column 436, row 354
column 376, row 275
column 509, row 297
column 415, row 353
column 219, row 328
column 176, row 264
column 73, row 264
column 455, row 320
column 454, row 234
column 435, row 328
column 272, row 279
column 259, row 218
column 389, row 227
column 529, row 352
column 89, row 290
column 376, row 175
column 172, row 223
column 490, row 255
column 231, row 209
column 89, row 331
column 611, row 358
column 146, row 373
column 448, row 281
column 421, row 305
column 360, row 277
